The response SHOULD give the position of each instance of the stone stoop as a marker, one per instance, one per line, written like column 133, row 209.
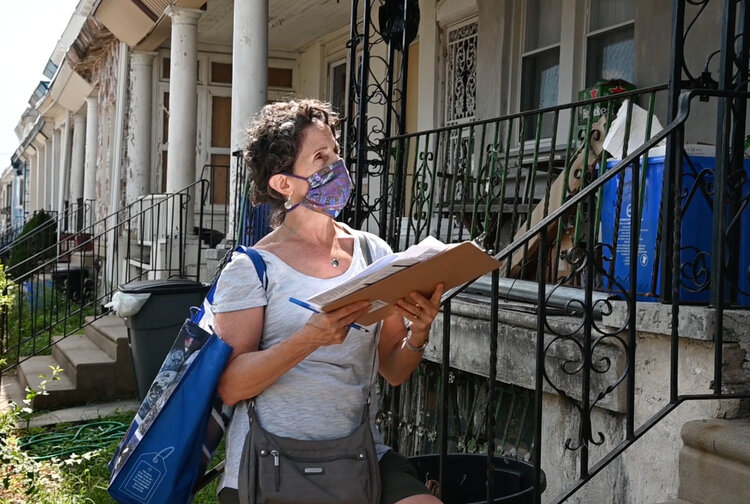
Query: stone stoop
column 715, row 462
column 97, row 367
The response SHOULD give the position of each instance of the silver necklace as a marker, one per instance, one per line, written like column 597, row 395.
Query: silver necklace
column 334, row 260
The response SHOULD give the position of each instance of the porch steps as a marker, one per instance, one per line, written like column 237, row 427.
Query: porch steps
column 97, row 367
column 715, row 462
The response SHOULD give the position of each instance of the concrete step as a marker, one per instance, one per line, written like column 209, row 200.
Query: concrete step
column 11, row 391
column 715, row 462
column 82, row 359
column 676, row 501
column 110, row 334
column 60, row 392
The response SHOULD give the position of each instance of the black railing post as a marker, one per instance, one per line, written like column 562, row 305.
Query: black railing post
column 492, row 388
column 445, row 391
column 721, row 178
column 539, row 375
column 677, row 58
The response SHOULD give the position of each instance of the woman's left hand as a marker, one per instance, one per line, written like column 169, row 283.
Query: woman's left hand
column 420, row 310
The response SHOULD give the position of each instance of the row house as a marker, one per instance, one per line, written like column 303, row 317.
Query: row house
column 492, row 125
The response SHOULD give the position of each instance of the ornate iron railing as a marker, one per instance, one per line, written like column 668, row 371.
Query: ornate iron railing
column 475, row 182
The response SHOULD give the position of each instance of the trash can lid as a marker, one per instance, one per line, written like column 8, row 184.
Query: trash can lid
column 163, row 286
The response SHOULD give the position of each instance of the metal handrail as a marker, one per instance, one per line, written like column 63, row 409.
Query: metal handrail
column 98, row 245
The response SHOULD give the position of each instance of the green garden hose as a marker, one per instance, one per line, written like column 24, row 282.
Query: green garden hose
column 78, row 439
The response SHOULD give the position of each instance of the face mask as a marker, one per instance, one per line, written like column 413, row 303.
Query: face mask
column 329, row 189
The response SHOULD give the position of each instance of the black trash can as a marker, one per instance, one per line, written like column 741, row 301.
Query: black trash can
column 154, row 328
column 467, row 478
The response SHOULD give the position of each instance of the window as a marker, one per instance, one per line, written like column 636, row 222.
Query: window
column 461, row 74
column 609, row 41
column 337, row 78
column 540, row 61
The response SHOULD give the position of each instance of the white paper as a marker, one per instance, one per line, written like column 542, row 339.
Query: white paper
column 615, row 139
column 382, row 268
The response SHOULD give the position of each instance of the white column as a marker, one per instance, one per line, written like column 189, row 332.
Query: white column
column 54, row 175
column 139, row 126
column 249, row 73
column 77, row 159
column 48, row 170
column 39, row 177
column 62, row 192
column 31, row 179
column 183, row 98
column 92, row 135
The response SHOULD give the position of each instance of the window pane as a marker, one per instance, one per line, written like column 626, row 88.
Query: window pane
column 221, row 73
column 543, row 21
column 540, row 78
column 338, row 88
column 280, row 77
column 610, row 56
column 610, row 12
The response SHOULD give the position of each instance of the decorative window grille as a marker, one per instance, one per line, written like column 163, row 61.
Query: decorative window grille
column 461, row 74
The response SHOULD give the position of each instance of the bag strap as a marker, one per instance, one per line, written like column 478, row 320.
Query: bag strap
column 367, row 254
column 260, row 269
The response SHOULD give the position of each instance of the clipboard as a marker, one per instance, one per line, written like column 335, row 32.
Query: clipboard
column 453, row 267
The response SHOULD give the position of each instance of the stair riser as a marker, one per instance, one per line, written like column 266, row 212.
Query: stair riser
column 75, row 397
column 114, row 348
column 710, row 479
column 117, row 376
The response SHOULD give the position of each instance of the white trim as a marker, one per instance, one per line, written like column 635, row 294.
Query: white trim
column 613, row 27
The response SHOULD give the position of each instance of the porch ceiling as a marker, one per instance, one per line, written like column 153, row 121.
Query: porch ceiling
column 292, row 24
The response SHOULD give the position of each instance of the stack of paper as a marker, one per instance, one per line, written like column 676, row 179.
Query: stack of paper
column 420, row 267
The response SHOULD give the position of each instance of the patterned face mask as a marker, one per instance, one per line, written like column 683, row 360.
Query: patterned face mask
column 329, row 189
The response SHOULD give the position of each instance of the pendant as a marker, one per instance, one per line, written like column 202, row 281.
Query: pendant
column 335, row 262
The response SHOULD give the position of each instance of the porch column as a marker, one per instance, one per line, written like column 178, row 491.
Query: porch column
column 38, row 177
column 62, row 192
column 183, row 98
column 249, row 77
column 54, row 171
column 30, row 182
column 76, row 166
column 138, row 181
column 47, row 180
column 92, row 135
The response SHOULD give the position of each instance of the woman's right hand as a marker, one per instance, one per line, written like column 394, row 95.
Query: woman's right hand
column 331, row 328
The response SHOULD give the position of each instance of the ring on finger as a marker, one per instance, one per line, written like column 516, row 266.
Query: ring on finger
column 416, row 315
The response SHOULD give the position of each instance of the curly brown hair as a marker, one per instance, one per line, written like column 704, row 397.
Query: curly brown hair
column 273, row 139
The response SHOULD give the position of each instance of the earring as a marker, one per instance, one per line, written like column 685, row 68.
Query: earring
column 288, row 202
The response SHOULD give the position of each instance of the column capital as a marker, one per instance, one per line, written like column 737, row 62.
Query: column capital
column 183, row 15
column 145, row 58
column 92, row 99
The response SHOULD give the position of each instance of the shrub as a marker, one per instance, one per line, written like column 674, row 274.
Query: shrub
column 37, row 240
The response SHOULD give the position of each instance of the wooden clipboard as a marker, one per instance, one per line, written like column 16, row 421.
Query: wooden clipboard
column 455, row 266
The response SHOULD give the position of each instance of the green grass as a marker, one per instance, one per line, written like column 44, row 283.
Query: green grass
column 76, row 479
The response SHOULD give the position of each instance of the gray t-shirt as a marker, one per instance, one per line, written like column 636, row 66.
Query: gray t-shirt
column 323, row 396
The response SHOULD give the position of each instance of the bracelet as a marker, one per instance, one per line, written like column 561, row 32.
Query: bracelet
column 418, row 349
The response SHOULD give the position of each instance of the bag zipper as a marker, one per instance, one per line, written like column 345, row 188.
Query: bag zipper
column 277, row 467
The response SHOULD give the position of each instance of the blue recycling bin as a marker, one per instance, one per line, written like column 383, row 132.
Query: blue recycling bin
column 696, row 231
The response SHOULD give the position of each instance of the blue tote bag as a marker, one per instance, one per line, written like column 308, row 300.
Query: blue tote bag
column 181, row 421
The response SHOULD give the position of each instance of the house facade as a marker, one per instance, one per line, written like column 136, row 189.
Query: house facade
column 146, row 99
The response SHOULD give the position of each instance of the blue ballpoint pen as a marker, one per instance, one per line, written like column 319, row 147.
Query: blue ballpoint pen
column 310, row 307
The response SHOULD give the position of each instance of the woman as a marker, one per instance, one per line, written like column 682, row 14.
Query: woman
column 307, row 372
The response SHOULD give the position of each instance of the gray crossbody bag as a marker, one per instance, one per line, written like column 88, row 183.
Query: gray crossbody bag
column 281, row 470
